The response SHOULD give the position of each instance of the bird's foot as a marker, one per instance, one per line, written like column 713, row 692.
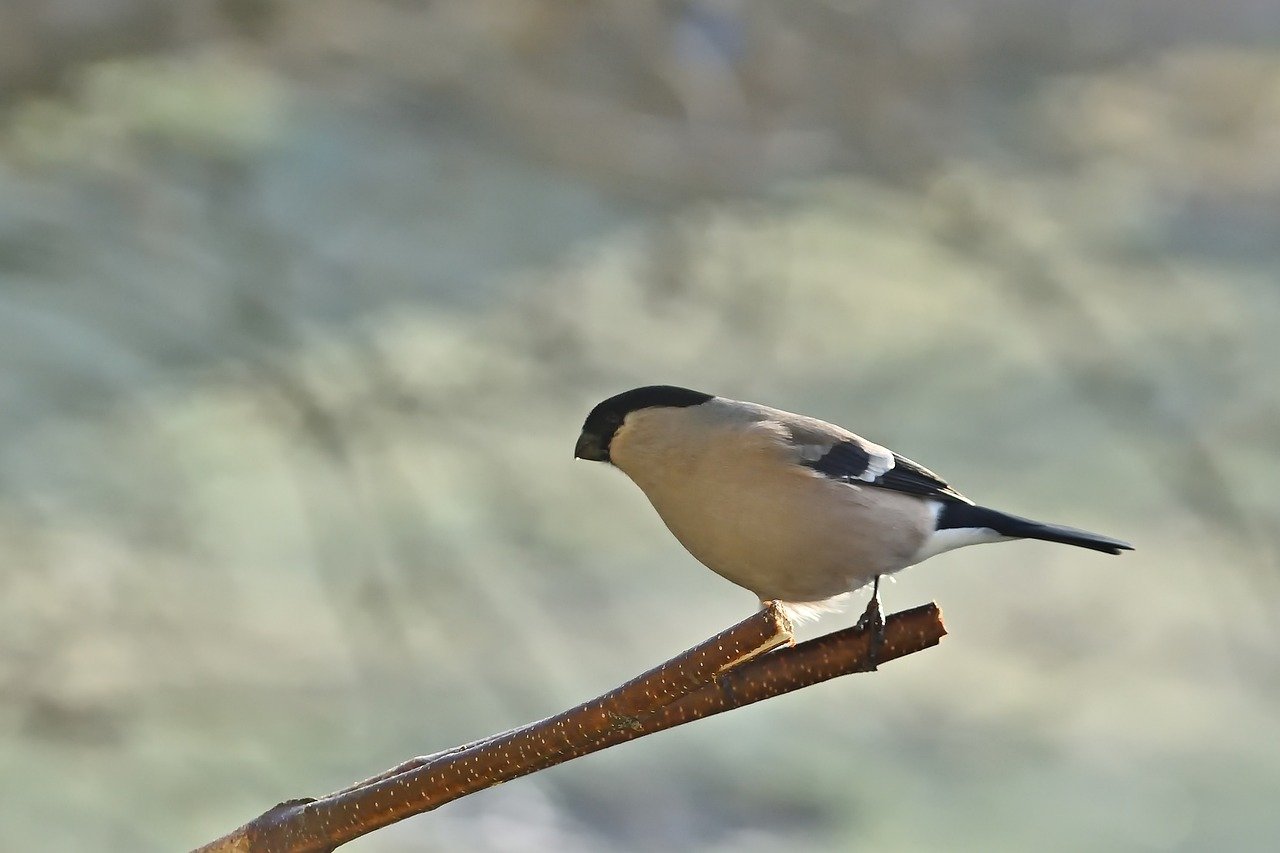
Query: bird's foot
column 872, row 620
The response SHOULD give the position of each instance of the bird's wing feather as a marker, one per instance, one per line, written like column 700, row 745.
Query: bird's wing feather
column 840, row 455
column 911, row 477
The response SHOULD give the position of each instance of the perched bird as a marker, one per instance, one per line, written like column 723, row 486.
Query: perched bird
column 795, row 509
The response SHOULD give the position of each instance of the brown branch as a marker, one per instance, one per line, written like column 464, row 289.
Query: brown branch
column 728, row 671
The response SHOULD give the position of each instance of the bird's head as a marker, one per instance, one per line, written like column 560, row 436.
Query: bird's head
column 609, row 416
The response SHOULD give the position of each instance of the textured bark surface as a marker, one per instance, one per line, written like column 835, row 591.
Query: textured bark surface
column 734, row 668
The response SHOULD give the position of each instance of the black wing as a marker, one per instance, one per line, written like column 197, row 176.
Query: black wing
column 871, row 465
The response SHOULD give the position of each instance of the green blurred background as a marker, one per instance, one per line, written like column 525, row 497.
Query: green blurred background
column 302, row 305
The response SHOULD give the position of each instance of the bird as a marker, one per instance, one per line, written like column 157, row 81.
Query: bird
column 795, row 509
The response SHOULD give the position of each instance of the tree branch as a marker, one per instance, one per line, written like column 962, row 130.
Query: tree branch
column 728, row 671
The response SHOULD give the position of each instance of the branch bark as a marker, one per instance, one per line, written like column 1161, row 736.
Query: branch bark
column 734, row 668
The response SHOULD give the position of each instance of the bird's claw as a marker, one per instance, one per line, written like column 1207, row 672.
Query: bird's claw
column 872, row 620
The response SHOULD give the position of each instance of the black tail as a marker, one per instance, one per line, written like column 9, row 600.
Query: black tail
column 962, row 515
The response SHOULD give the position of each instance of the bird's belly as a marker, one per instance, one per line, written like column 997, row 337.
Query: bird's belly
column 807, row 539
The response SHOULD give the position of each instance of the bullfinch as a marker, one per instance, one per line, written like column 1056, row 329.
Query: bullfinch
column 794, row 509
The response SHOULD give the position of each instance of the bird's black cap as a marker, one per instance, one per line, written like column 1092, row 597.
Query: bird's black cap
column 607, row 416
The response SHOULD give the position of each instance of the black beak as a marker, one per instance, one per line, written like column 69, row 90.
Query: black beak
column 588, row 447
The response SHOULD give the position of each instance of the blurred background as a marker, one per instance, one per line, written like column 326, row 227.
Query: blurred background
column 302, row 305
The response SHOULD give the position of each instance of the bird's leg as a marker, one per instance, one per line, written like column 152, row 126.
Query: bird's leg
column 872, row 620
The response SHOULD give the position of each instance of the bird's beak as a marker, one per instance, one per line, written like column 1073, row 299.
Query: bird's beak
column 588, row 447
